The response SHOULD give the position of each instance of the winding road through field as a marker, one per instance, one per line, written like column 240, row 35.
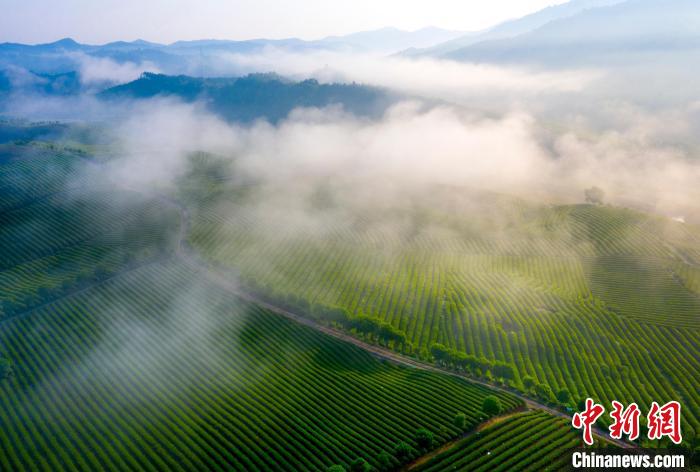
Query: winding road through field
column 230, row 284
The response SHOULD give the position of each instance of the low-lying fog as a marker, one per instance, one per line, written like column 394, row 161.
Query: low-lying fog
column 540, row 133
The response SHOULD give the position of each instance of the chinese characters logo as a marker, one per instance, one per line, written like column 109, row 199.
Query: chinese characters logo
column 662, row 420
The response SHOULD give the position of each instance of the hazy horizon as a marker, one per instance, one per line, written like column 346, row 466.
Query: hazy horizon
column 161, row 22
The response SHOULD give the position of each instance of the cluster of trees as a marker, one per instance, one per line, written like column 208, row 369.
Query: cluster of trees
column 377, row 330
column 460, row 421
column 478, row 366
column 544, row 392
column 373, row 328
column 594, row 195
column 492, row 405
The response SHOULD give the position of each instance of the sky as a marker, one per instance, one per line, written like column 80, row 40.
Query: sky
column 165, row 21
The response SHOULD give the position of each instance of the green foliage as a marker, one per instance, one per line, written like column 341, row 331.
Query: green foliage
column 544, row 392
column 336, row 315
column 528, row 382
column 503, row 370
column 581, row 405
column 385, row 461
column 360, row 465
column 453, row 359
column 563, row 396
column 403, row 452
column 440, row 353
column 336, row 468
column 460, row 421
column 424, row 439
column 492, row 405
column 375, row 327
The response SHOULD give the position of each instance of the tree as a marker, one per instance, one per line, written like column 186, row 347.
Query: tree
column 402, row 451
column 424, row 439
column 387, row 332
column 544, row 391
column 594, row 195
column 339, row 315
column 360, row 465
column 528, row 382
column 503, row 370
column 581, row 405
column 484, row 364
column 336, row 468
column 460, row 420
column 491, row 405
column 469, row 362
column 440, row 352
column 563, row 396
column 385, row 461
column 365, row 324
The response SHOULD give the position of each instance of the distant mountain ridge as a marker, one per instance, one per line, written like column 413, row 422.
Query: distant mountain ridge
column 186, row 57
column 515, row 27
column 18, row 80
column 607, row 34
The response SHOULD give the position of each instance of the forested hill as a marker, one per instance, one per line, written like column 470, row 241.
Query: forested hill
column 255, row 96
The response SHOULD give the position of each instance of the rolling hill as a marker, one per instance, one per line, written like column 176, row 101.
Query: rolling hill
column 256, row 96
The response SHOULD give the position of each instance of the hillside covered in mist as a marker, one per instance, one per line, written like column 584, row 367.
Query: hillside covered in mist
column 256, row 96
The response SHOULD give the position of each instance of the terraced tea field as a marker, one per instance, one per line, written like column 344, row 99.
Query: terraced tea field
column 125, row 358
column 600, row 301
column 150, row 371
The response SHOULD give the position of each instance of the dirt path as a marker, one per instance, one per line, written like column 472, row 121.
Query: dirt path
column 449, row 445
